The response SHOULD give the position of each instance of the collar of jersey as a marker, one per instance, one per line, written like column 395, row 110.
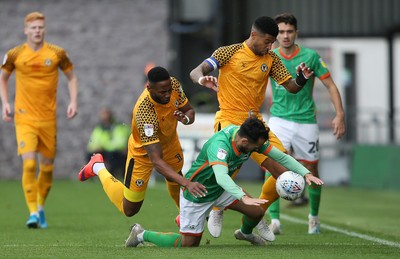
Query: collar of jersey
column 291, row 55
column 247, row 49
column 237, row 152
column 156, row 103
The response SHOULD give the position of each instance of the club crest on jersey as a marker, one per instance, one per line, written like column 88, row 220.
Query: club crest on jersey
column 264, row 68
column 139, row 182
column 221, row 154
column 48, row 62
column 176, row 104
column 148, row 129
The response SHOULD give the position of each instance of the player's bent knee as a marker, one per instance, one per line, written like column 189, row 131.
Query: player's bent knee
column 190, row 241
column 130, row 209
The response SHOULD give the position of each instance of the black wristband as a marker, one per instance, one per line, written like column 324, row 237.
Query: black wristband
column 301, row 80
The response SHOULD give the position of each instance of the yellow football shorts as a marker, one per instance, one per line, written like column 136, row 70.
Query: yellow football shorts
column 36, row 136
column 138, row 171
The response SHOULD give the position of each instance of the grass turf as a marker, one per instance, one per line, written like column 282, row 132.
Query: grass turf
column 83, row 223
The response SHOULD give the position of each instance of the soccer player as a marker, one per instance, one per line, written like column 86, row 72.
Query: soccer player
column 36, row 64
column 217, row 161
column 244, row 69
column 293, row 116
column 153, row 144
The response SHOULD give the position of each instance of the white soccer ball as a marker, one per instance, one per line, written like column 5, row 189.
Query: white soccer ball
column 290, row 185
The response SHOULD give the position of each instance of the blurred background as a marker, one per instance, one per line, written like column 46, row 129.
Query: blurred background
column 112, row 42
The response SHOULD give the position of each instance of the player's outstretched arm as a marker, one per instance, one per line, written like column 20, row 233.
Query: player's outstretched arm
column 200, row 76
column 253, row 201
column 295, row 85
column 154, row 151
column 186, row 114
column 313, row 179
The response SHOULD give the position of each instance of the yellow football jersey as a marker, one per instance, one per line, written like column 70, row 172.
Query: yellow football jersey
column 36, row 76
column 243, row 78
column 153, row 122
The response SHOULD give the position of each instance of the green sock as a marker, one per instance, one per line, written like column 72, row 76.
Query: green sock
column 314, row 194
column 248, row 225
column 274, row 208
column 162, row 239
column 274, row 211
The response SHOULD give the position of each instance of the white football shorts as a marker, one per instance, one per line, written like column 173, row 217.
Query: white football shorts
column 301, row 139
column 193, row 215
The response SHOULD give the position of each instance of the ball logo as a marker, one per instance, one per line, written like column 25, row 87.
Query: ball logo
column 139, row 182
column 290, row 185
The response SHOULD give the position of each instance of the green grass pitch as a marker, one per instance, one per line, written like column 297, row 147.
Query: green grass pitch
column 83, row 223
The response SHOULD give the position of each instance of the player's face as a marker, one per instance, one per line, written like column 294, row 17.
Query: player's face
column 35, row 31
column 287, row 35
column 249, row 146
column 161, row 91
column 262, row 43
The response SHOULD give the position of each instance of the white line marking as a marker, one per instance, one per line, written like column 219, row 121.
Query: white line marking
column 342, row 231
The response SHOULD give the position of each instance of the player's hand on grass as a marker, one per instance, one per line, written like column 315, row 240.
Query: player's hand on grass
column 196, row 189
column 253, row 201
column 209, row 82
column 312, row 179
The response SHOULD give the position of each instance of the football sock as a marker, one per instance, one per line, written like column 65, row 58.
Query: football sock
column 29, row 184
column 276, row 222
column 314, row 195
column 173, row 190
column 163, row 239
column 44, row 182
column 274, row 208
column 97, row 167
column 274, row 211
column 248, row 225
column 269, row 193
column 113, row 188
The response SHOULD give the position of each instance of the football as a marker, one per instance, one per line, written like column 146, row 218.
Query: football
column 290, row 185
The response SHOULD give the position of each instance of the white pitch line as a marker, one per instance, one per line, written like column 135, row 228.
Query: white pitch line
column 342, row 231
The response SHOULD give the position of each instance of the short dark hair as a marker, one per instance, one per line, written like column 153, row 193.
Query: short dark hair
column 266, row 25
column 286, row 18
column 254, row 129
column 157, row 74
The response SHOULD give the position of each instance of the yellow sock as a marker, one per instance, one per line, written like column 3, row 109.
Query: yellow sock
column 173, row 190
column 268, row 192
column 44, row 182
column 113, row 188
column 29, row 184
